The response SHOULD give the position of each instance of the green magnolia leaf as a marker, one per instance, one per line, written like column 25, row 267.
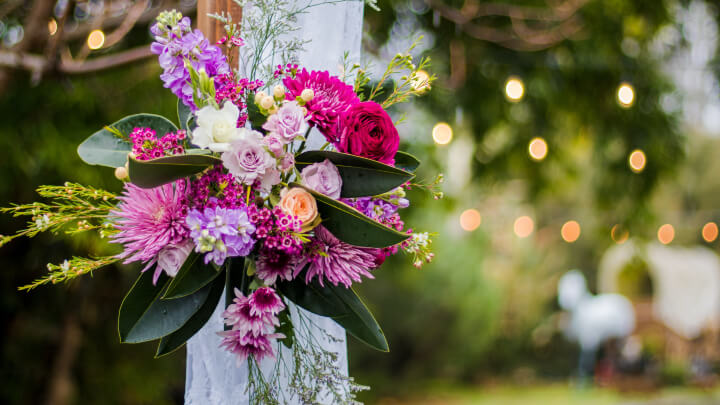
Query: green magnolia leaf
column 192, row 276
column 184, row 115
column 352, row 226
column 156, row 172
column 144, row 316
column 406, row 161
column 286, row 328
column 177, row 339
column 361, row 177
column 339, row 303
column 111, row 145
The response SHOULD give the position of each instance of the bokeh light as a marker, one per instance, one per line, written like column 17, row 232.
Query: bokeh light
column 666, row 234
column 442, row 133
column 514, row 89
column 523, row 226
column 570, row 231
column 619, row 234
column 626, row 95
column 637, row 160
column 538, row 149
column 96, row 39
column 52, row 26
column 470, row 220
column 710, row 232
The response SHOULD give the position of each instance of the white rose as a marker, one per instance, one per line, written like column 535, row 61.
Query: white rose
column 216, row 128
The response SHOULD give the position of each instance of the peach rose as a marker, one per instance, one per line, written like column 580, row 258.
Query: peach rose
column 298, row 202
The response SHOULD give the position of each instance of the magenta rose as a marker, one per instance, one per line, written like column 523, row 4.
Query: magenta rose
column 366, row 130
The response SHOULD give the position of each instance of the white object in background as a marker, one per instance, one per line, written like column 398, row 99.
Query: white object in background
column 213, row 377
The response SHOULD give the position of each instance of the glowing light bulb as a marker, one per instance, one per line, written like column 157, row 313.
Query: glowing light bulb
column 619, row 234
column 710, row 232
column 626, row 95
column 637, row 160
column 570, row 231
column 442, row 133
column 470, row 220
column 523, row 226
column 96, row 39
column 666, row 234
column 514, row 89
column 538, row 149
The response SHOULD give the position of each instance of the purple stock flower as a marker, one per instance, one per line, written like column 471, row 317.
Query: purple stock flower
column 221, row 232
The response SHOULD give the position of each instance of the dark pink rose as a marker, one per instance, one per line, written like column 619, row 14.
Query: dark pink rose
column 366, row 130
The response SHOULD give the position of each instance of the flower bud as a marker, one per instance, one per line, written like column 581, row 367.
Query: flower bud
column 307, row 95
column 267, row 102
column 121, row 173
column 259, row 96
column 279, row 92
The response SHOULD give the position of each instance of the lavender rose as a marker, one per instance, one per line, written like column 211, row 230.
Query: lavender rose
column 289, row 122
column 366, row 130
column 250, row 162
column 171, row 258
column 323, row 177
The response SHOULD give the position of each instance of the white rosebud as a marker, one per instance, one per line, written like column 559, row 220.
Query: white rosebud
column 267, row 102
column 307, row 95
column 121, row 173
column 279, row 92
column 259, row 96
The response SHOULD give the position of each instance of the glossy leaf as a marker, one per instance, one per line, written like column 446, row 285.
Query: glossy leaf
column 352, row 226
column 144, row 316
column 156, row 172
column 177, row 339
column 110, row 149
column 406, row 161
column 286, row 328
column 339, row 303
column 184, row 115
column 361, row 177
column 192, row 276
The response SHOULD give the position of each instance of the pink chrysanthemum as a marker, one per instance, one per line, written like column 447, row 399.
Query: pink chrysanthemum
column 274, row 264
column 335, row 261
column 245, row 317
column 149, row 220
column 265, row 301
column 244, row 345
column 332, row 97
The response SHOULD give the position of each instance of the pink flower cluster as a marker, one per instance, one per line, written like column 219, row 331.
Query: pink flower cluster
column 253, row 320
column 290, row 70
column 146, row 145
column 227, row 88
column 215, row 188
column 276, row 229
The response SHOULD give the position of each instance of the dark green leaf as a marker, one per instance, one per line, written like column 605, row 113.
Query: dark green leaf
column 110, row 149
column 339, row 303
column 352, row 226
column 406, row 161
column 144, row 316
column 361, row 177
column 286, row 328
column 156, row 172
column 256, row 118
column 184, row 115
column 175, row 340
column 192, row 276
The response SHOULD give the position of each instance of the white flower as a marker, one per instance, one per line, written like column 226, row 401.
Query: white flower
column 249, row 161
column 216, row 128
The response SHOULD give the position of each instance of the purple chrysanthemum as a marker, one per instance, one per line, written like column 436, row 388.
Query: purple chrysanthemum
column 149, row 220
column 221, row 232
column 273, row 264
column 333, row 260
column 331, row 97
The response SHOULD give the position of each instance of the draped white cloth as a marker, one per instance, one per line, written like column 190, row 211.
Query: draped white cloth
column 212, row 374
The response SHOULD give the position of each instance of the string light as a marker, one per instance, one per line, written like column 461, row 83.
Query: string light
column 626, row 95
column 96, row 39
column 470, row 220
column 710, row 232
column 666, row 234
column 538, row 149
column 523, row 226
column 52, row 26
column 570, row 231
column 442, row 133
column 637, row 160
column 619, row 234
column 514, row 89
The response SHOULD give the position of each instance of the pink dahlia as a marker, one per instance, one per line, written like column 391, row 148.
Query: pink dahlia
column 335, row 261
column 331, row 98
column 149, row 220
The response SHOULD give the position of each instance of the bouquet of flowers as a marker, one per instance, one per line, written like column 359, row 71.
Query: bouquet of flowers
column 229, row 198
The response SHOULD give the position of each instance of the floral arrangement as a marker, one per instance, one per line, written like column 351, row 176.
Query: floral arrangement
column 231, row 199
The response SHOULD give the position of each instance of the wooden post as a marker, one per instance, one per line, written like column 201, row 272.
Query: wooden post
column 212, row 28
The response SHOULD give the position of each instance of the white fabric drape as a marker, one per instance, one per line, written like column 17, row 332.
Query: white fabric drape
column 212, row 374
